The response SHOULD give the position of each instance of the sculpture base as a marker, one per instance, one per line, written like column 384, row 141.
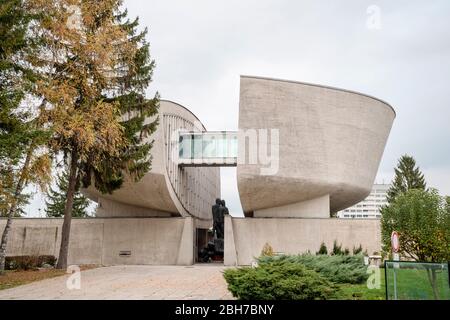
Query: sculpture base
column 219, row 245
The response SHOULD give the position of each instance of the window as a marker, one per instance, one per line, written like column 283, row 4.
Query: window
column 207, row 145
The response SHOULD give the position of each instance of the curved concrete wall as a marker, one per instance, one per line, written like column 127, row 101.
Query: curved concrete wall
column 330, row 146
column 166, row 190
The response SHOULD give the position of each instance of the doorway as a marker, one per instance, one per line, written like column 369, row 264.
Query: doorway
column 208, row 248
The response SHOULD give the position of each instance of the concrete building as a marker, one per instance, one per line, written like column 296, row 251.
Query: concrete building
column 302, row 151
column 370, row 207
column 168, row 190
column 330, row 146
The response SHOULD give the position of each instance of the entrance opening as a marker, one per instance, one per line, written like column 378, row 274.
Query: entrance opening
column 208, row 248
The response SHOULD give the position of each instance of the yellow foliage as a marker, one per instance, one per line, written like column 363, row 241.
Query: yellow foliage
column 267, row 250
column 40, row 171
column 80, row 67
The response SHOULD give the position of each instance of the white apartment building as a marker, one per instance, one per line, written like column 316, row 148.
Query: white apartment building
column 369, row 207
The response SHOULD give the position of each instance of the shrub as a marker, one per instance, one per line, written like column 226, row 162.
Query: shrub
column 278, row 280
column 337, row 268
column 28, row 262
column 267, row 250
column 337, row 249
column 323, row 249
column 357, row 250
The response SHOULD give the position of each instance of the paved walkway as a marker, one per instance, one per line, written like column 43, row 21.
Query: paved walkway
column 132, row 282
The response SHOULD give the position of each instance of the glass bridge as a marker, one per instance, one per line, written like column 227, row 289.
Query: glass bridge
column 198, row 149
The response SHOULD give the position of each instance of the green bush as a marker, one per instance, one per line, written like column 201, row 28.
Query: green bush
column 337, row 249
column 337, row 268
column 323, row 249
column 28, row 262
column 357, row 250
column 278, row 280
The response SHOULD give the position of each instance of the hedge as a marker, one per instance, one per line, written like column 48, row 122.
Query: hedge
column 28, row 262
column 337, row 268
column 278, row 280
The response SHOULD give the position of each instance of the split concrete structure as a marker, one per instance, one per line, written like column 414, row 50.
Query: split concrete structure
column 328, row 146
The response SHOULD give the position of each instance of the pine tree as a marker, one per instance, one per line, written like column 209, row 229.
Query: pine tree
column 407, row 176
column 14, row 134
column 57, row 200
column 22, row 158
column 447, row 200
column 323, row 249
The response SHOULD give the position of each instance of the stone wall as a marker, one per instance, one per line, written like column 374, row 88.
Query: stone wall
column 245, row 237
column 170, row 241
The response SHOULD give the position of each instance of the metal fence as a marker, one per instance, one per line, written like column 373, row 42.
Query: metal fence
column 407, row 280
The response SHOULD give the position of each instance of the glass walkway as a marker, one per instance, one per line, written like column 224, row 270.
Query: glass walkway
column 198, row 149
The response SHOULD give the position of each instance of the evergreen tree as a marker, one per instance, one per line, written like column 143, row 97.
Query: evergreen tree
column 22, row 158
column 323, row 249
column 407, row 176
column 447, row 200
column 14, row 134
column 57, row 200
column 337, row 249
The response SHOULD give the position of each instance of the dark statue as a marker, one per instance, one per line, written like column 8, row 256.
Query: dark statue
column 215, row 247
column 224, row 208
column 217, row 213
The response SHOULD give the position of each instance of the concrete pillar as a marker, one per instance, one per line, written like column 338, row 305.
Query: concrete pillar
column 186, row 248
column 229, row 256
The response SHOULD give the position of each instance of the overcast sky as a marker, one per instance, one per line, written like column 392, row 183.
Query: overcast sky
column 398, row 51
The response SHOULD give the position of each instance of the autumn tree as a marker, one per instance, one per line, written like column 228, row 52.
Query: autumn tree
column 138, row 115
column 407, row 176
column 95, row 70
column 23, row 158
column 56, row 200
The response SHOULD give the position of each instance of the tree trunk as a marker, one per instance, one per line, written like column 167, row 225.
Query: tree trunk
column 65, row 234
column 13, row 207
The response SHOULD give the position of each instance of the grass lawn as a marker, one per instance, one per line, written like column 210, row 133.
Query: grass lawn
column 411, row 285
column 361, row 292
column 14, row 278
column 415, row 284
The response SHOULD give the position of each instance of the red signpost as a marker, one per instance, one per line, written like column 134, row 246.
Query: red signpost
column 395, row 245
column 395, row 242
